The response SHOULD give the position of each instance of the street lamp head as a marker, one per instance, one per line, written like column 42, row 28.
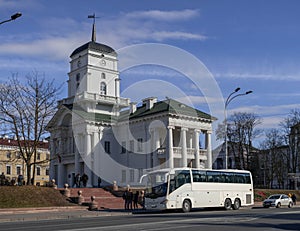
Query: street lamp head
column 237, row 89
column 248, row 92
column 15, row 16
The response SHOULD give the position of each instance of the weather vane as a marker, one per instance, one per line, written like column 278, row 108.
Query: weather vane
column 94, row 27
column 93, row 16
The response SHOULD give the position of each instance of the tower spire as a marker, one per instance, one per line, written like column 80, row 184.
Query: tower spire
column 94, row 27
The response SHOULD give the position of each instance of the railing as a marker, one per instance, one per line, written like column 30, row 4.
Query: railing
column 96, row 97
column 104, row 98
column 177, row 152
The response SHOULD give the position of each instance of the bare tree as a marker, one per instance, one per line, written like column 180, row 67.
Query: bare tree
column 274, row 158
column 292, row 119
column 241, row 130
column 25, row 110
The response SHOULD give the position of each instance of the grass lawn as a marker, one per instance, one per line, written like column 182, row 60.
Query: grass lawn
column 31, row 196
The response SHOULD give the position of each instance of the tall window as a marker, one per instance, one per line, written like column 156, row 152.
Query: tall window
column 18, row 170
column 8, row 169
column 131, row 172
column 78, row 77
column 123, row 179
column 47, row 171
column 38, row 157
column 123, row 147
column 107, row 147
column 102, row 75
column 140, row 145
column 102, row 88
column 38, row 171
column 131, row 146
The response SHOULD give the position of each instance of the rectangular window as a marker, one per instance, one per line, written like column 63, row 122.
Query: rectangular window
column 131, row 172
column 131, row 146
column 8, row 169
column 123, row 180
column 38, row 156
column 18, row 170
column 107, row 147
column 8, row 155
column 140, row 172
column 140, row 145
column 123, row 147
column 38, row 171
column 47, row 172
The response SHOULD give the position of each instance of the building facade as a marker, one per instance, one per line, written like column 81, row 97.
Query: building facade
column 99, row 133
column 12, row 165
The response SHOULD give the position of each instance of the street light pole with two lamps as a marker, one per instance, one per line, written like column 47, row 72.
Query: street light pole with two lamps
column 228, row 100
column 13, row 17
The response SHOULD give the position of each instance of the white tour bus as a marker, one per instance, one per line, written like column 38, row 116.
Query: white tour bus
column 187, row 188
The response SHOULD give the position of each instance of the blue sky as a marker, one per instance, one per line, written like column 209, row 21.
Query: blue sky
column 249, row 44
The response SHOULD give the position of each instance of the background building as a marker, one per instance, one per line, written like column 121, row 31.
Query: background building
column 12, row 164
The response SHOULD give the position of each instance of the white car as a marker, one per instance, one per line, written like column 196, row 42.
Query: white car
column 278, row 200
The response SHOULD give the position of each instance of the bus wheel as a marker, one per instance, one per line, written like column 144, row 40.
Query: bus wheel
column 227, row 204
column 186, row 206
column 237, row 204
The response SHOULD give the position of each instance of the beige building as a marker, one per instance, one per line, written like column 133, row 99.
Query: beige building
column 12, row 165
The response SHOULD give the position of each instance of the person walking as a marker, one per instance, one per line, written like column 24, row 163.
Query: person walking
column 294, row 198
column 2, row 179
column 99, row 182
column 84, row 179
column 20, row 180
column 135, row 200
column 77, row 180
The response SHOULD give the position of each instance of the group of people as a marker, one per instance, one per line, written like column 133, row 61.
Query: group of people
column 7, row 181
column 132, row 200
column 81, row 181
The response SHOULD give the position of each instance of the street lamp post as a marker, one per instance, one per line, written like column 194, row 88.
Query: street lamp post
column 13, row 17
column 228, row 100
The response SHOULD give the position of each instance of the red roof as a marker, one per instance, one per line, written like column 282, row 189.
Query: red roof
column 13, row 142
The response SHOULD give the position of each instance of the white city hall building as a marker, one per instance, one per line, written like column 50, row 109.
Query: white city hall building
column 99, row 133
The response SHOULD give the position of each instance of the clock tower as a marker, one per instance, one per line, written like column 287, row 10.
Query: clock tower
column 94, row 77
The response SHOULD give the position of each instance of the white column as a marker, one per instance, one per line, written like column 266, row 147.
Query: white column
column 170, row 148
column 117, row 87
column 60, row 167
column 196, row 146
column 52, row 167
column 87, row 161
column 77, row 154
column 183, row 146
column 156, row 146
column 208, row 148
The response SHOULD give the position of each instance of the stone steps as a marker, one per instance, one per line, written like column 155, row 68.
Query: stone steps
column 105, row 199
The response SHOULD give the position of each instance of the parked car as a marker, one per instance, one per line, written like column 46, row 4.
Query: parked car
column 278, row 200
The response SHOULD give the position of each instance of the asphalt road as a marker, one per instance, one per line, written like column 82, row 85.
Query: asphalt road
column 208, row 220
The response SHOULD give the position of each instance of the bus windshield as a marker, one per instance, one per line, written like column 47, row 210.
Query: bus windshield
column 156, row 184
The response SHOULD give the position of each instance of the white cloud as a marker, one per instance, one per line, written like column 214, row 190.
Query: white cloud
column 163, row 35
column 164, row 15
column 260, row 76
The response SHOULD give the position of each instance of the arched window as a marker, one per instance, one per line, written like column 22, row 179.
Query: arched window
column 78, row 77
column 102, row 75
column 103, row 88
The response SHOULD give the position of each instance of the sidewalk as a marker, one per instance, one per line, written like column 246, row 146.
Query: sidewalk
column 51, row 213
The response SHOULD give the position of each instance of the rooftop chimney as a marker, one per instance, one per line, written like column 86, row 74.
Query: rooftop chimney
column 149, row 102
column 132, row 107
